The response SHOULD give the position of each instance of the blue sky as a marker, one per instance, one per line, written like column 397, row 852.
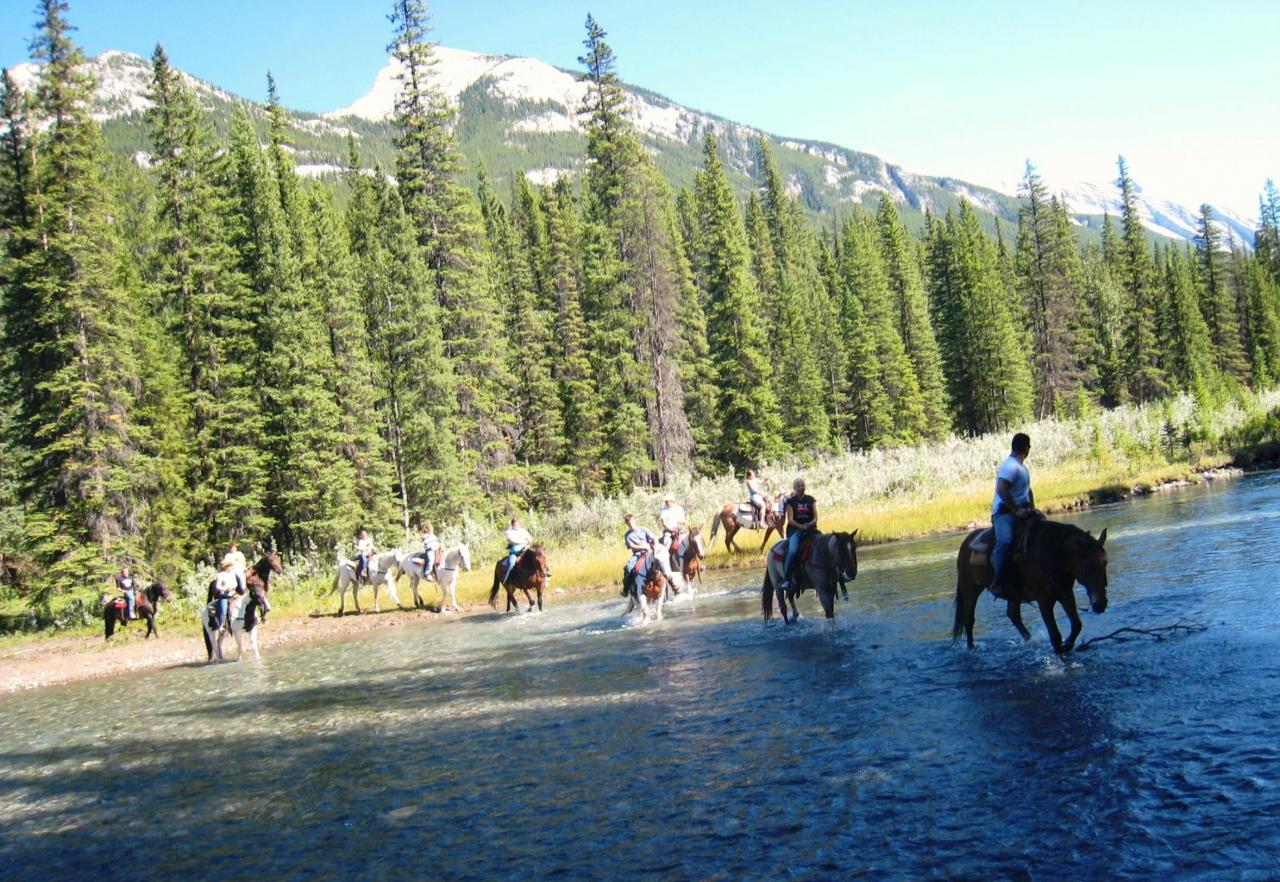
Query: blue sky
column 1186, row 91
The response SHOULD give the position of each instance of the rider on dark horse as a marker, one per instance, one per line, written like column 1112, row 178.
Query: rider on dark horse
column 639, row 541
column 128, row 586
column 1013, row 503
column 801, row 512
column 518, row 539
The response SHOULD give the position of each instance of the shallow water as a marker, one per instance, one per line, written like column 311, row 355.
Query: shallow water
column 572, row 744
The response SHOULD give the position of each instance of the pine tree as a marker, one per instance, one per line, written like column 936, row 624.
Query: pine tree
column 451, row 233
column 750, row 427
column 573, row 373
column 636, row 267
column 207, row 302
column 1134, row 272
column 1189, row 363
column 1219, row 301
column 907, row 289
column 1047, row 269
column 987, row 369
column 1103, row 302
column 67, row 324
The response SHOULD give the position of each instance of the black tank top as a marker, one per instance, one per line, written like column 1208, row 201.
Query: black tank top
column 800, row 508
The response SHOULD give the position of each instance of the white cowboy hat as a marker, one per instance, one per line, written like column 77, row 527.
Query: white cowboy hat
column 669, row 498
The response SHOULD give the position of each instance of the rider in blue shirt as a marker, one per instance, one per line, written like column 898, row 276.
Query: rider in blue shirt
column 1013, row 500
column 638, row 540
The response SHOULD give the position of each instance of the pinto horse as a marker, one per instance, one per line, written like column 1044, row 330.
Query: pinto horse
column 1057, row 556
column 647, row 588
column 530, row 571
column 145, row 605
column 243, row 616
column 831, row 562
column 735, row 516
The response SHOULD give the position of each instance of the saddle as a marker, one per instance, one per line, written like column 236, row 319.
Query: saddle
column 806, row 549
column 980, row 548
column 744, row 508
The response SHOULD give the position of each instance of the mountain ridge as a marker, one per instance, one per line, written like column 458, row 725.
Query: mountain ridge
column 519, row 115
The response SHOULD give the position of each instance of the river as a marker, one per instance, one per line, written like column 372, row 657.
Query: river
column 572, row 744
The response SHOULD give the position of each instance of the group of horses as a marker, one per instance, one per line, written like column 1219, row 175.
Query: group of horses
column 1048, row 559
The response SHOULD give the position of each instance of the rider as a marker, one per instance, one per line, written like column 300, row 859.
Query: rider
column 223, row 585
column 671, row 521
column 638, row 540
column 802, row 523
column 364, row 551
column 1013, row 500
column 238, row 564
column 755, row 497
column 430, row 544
column 518, row 540
column 126, row 584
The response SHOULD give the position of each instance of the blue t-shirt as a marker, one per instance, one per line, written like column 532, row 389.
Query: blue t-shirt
column 1019, row 483
column 638, row 536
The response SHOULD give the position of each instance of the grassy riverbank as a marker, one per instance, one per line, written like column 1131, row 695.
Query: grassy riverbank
column 884, row 494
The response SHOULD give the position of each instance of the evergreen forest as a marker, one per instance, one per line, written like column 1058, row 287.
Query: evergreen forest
column 213, row 349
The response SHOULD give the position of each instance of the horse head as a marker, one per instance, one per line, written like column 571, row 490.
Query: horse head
column 540, row 557
column 464, row 556
column 847, row 549
column 158, row 591
column 1089, row 566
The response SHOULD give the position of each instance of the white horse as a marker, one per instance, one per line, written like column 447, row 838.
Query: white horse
column 383, row 569
column 236, row 609
column 453, row 559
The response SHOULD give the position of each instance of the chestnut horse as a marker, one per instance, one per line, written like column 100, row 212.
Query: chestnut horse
column 145, row 604
column 1057, row 556
column 530, row 571
column 736, row 516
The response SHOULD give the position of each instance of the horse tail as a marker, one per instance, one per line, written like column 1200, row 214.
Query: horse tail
column 715, row 526
column 493, row 592
column 337, row 577
column 957, row 627
column 766, row 594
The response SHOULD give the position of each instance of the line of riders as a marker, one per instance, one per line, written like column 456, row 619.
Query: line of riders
column 671, row 550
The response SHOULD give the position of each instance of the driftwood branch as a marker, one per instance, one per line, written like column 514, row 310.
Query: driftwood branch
column 1123, row 635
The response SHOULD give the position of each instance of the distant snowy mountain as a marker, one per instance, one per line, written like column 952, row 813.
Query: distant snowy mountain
column 520, row 115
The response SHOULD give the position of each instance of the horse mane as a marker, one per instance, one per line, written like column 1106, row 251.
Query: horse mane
column 1059, row 533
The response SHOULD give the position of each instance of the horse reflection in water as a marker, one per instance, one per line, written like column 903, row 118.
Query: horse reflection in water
column 1057, row 556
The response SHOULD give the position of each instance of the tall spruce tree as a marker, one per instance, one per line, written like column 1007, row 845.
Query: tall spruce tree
column 636, row 270
column 1189, row 362
column 750, row 427
column 912, row 307
column 1134, row 271
column 67, row 324
column 1103, row 302
column 1219, row 300
column 1047, row 268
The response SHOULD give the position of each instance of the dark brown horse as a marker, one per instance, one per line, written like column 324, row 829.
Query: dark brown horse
column 145, row 604
column 1057, row 556
column 738, row 516
column 530, row 572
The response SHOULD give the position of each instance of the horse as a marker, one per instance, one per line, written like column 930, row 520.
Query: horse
column 257, row 582
column 145, row 606
column 735, row 516
column 530, row 570
column 233, row 624
column 649, row 590
column 1057, row 556
column 448, row 562
column 382, row 571
column 832, row 561
column 687, row 557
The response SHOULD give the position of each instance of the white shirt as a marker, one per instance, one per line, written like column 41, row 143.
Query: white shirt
column 364, row 546
column 226, row 582
column 430, row 542
column 518, row 537
column 671, row 517
column 236, row 559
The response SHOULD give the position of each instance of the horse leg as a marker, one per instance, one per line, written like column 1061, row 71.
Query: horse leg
column 253, row 643
column 1068, row 600
column 108, row 623
column 1013, row 609
column 528, row 598
column 391, row 587
column 151, row 626
column 828, row 601
column 1051, row 623
column 539, row 597
column 729, row 531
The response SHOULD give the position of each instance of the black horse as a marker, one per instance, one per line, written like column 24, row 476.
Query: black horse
column 114, row 609
column 1057, row 556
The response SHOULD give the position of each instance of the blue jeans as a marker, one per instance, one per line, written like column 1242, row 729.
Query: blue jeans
column 513, row 555
column 793, row 550
column 129, row 603
column 1004, row 524
column 362, row 566
column 221, row 607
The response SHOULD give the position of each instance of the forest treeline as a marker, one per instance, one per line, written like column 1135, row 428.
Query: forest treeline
column 210, row 348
